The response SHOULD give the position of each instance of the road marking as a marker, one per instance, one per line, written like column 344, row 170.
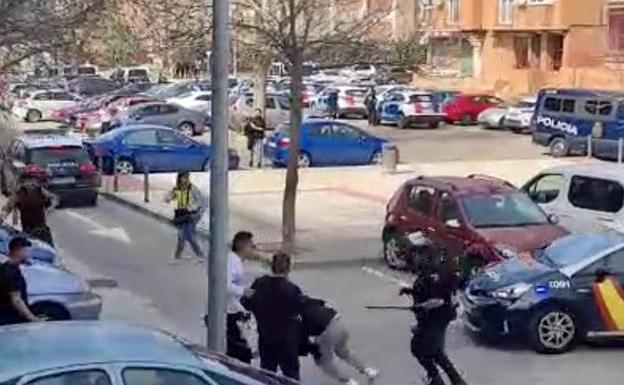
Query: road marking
column 384, row 276
column 116, row 233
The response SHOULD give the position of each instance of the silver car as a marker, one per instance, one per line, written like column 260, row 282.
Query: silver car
column 493, row 117
column 277, row 110
column 164, row 114
column 58, row 294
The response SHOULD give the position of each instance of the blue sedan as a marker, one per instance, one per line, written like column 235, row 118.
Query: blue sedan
column 325, row 143
column 39, row 251
column 157, row 148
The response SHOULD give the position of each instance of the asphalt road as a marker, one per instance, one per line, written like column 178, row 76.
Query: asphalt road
column 112, row 241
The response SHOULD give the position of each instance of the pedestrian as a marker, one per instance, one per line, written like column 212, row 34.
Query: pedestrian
column 254, row 131
column 332, row 103
column 324, row 325
column 276, row 303
column 190, row 206
column 13, row 290
column 237, row 346
column 31, row 201
column 371, row 107
column 432, row 294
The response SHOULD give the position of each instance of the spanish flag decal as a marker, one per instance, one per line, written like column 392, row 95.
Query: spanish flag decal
column 609, row 297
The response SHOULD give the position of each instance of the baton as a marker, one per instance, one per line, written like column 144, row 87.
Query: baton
column 388, row 307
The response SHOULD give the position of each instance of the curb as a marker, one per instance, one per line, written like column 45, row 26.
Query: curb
column 298, row 264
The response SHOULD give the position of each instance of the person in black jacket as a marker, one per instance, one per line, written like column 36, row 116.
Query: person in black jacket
column 332, row 338
column 276, row 303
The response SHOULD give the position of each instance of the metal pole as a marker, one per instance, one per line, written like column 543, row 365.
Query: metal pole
column 115, row 175
column 146, row 185
column 217, row 258
column 589, row 146
column 620, row 149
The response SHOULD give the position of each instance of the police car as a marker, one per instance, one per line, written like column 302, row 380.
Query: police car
column 564, row 293
column 58, row 162
column 407, row 108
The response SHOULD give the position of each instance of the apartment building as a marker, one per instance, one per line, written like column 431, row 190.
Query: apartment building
column 518, row 46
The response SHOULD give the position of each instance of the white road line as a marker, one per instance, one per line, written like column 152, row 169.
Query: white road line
column 85, row 219
column 384, row 276
column 117, row 233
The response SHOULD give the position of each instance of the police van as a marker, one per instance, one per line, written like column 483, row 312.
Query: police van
column 565, row 118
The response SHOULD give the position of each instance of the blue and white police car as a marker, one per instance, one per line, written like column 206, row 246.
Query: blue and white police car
column 406, row 108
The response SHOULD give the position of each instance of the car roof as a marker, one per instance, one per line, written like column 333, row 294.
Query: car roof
column 134, row 127
column 29, row 348
column 582, row 92
column 602, row 170
column 48, row 140
column 471, row 185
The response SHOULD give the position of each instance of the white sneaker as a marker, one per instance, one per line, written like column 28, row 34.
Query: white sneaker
column 371, row 374
column 351, row 382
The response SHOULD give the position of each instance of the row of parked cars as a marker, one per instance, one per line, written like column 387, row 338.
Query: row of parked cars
column 543, row 262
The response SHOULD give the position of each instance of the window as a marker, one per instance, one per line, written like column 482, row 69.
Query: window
column 147, row 110
column 505, row 11
column 616, row 29
column 76, row 377
column 502, row 210
column 167, row 109
column 345, row 132
column 596, row 194
column 323, row 131
column 448, row 209
column 159, row 376
column 453, row 11
column 169, row 138
column 612, row 263
column 568, row 106
column 42, row 96
column 205, row 98
column 141, row 138
column 521, row 52
column 546, row 188
column 63, row 96
column 421, row 199
column 598, row 107
column 45, row 156
column 270, row 103
column 554, row 104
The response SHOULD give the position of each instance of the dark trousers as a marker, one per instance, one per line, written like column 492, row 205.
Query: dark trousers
column 427, row 346
column 283, row 355
column 237, row 346
column 41, row 232
column 372, row 116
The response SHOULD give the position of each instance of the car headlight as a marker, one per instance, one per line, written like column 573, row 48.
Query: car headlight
column 507, row 251
column 512, row 292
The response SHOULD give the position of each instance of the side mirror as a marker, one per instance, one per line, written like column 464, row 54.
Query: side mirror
column 553, row 218
column 452, row 223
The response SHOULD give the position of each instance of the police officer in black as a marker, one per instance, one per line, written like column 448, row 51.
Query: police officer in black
column 433, row 306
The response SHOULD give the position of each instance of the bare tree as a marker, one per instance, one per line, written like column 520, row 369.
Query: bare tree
column 31, row 27
column 289, row 30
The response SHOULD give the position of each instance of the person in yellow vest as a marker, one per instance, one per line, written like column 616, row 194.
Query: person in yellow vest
column 190, row 206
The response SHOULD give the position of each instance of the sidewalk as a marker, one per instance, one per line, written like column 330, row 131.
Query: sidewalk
column 340, row 211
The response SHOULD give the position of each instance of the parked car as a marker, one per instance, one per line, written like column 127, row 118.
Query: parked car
column 465, row 108
column 350, row 101
column 585, row 198
column 163, row 114
column 103, row 117
column 520, row 115
column 138, row 147
column 131, row 75
column 442, row 96
column 39, row 251
column 394, row 75
column 478, row 219
column 199, row 101
column 493, row 117
column 568, row 292
column 360, row 72
column 57, row 294
column 277, row 110
column 58, row 162
column 40, row 105
column 91, row 86
column 113, row 353
column 325, row 143
column 408, row 108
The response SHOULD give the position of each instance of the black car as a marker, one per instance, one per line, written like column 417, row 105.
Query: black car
column 567, row 292
column 91, row 86
column 59, row 162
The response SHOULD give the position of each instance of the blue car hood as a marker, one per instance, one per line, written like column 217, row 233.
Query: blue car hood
column 509, row 272
column 43, row 278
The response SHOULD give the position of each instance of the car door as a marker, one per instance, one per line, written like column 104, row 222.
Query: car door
column 74, row 375
column 390, row 107
column 146, row 114
column 599, row 296
column 450, row 226
column 168, row 115
column 317, row 139
column 549, row 192
column 144, row 150
column 595, row 202
column 179, row 153
column 350, row 144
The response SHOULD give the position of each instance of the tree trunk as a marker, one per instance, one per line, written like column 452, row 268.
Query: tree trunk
column 292, row 173
column 260, row 72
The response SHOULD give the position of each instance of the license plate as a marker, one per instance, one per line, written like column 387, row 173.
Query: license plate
column 63, row 180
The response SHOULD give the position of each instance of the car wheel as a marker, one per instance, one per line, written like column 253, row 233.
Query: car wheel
column 465, row 120
column 93, row 200
column 552, row 330
column 124, row 167
column 402, row 122
column 393, row 254
column 50, row 312
column 33, row 116
column 187, row 128
column 559, row 147
column 377, row 157
column 434, row 125
column 304, row 160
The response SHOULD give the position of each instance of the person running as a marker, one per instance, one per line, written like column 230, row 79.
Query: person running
column 190, row 206
column 324, row 325
column 276, row 303
column 332, row 104
column 254, row 131
column 31, row 201
column 13, row 290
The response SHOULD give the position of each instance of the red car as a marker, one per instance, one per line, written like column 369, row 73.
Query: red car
column 464, row 108
column 478, row 219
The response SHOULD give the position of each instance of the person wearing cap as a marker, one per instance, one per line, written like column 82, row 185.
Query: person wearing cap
column 191, row 204
column 13, row 290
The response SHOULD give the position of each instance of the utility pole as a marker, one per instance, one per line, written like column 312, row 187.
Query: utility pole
column 217, row 258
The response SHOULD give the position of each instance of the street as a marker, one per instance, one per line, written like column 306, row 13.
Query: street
column 113, row 242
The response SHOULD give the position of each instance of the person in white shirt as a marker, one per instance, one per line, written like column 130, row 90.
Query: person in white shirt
column 237, row 346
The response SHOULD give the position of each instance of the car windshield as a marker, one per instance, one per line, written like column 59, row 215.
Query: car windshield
column 572, row 249
column 51, row 155
column 502, row 210
column 138, row 73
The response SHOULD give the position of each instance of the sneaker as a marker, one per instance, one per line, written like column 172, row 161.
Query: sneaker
column 351, row 382
column 200, row 260
column 371, row 374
